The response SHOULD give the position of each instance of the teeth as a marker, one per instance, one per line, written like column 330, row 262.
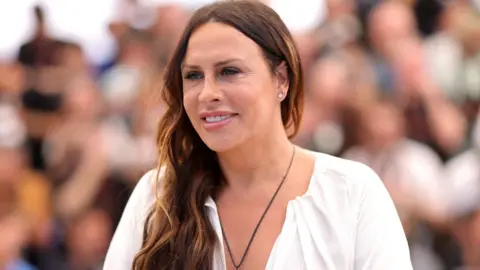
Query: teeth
column 213, row 119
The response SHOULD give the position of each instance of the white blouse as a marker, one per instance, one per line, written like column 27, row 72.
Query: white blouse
column 346, row 220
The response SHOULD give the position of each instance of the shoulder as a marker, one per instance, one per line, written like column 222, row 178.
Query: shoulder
column 141, row 200
column 348, row 171
column 145, row 191
column 350, row 198
column 148, row 179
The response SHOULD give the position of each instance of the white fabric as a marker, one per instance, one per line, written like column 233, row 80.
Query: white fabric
column 346, row 220
column 417, row 170
column 462, row 176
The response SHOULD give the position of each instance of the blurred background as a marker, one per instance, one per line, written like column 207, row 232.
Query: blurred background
column 392, row 84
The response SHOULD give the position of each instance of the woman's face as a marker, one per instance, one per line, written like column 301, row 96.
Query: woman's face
column 230, row 93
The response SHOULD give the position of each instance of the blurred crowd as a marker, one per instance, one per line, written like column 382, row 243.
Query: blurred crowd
column 394, row 84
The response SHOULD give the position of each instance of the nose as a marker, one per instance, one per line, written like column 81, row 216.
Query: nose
column 210, row 92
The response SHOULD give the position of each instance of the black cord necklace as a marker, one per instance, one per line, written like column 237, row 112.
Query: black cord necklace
column 237, row 266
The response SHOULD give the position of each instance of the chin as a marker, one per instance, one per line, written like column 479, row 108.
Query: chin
column 220, row 145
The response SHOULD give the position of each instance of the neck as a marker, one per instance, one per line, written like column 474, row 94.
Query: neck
column 264, row 158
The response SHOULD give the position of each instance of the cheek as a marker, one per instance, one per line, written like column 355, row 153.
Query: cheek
column 190, row 105
column 254, row 102
column 243, row 98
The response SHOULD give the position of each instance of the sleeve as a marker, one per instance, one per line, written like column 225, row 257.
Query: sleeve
column 380, row 241
column 127, row 240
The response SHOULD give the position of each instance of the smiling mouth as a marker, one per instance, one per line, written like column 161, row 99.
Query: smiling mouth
column 218, row 118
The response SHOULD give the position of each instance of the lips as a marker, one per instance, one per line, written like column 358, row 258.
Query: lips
column 216, row 120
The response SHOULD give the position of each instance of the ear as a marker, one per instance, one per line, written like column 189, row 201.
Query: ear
column 281, row 73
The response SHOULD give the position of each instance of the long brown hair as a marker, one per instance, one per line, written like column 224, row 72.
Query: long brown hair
column 178, row 234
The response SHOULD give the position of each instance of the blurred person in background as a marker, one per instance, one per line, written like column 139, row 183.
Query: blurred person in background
column 432, row 118
column 120, row 84
column 77, row 155
column 67, row 144
column 12, row 83
column 13, row 229
column 341, row 28
column 444, row 53
column 410, row 170
column 87, row 237
column 168, row 27
column 70, row 57
column 454, row 59
column 389, row 23
column 40, row 50
column 462, row 174
column 42, row 96
column 84, row 185
column 131, row 103
column 402, row 72
column 340, row 35
column 25, row 206
column 328, row 89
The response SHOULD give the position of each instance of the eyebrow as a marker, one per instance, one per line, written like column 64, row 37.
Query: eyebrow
column 219, row 63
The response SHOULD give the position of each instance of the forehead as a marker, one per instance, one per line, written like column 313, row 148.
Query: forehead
column 217, row 41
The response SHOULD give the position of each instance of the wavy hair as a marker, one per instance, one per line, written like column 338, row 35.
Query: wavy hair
column 178, row 234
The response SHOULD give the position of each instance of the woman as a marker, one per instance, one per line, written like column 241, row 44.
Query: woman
column 233, row 192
